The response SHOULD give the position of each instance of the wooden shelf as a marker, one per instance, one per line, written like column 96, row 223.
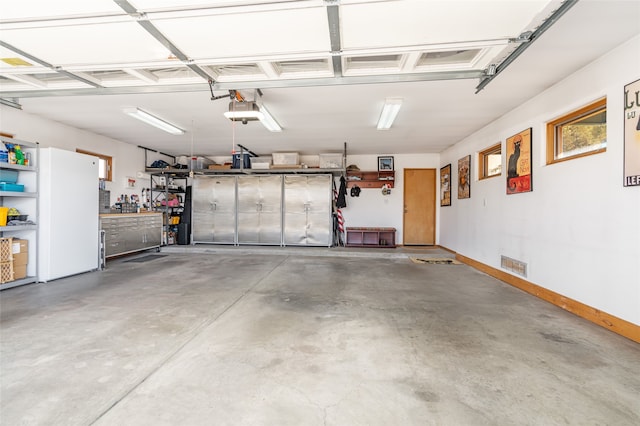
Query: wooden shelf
column 371, row 237
column 370, row 179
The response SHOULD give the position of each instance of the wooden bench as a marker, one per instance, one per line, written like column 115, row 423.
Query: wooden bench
column 371, row 237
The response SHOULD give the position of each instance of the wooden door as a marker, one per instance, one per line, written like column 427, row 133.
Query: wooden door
column 419, row 207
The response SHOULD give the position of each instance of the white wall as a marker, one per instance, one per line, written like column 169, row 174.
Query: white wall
column 372, row 208
column 128, row 160
column 579, row 230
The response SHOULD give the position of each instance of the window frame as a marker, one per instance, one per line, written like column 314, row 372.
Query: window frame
column 483, row 161
column 594, row 107
column 106, row 158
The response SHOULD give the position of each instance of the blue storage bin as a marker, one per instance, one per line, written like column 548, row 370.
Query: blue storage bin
column 11, row 187
column 8, row 176
column 246, row 162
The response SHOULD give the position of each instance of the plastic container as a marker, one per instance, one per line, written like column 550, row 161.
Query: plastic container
column 246, row 164
column 8, row 176
column 331, row 161
column 11, row 155
column 261, row 163
column 19, row 155
column 16, row 187
column 285, row 158
column 3, row 215
column 4, row 153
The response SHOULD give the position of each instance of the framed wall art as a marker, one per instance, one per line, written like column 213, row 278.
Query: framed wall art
column 445, row 185
column 519, row 163
column 632, row 134
column 385, row 163
column 464, row 173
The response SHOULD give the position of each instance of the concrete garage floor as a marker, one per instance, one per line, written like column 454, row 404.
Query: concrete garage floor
column 304, row 337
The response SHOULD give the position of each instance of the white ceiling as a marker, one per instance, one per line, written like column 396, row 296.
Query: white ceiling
column 324, row 67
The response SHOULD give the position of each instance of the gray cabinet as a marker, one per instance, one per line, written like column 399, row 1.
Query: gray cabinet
column 214, row 209
column 150, row 230
column 307, row 210
column 128, row 233
column 259, row 209
column 264, row 209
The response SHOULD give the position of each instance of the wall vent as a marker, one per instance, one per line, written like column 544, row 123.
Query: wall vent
column 513, row 265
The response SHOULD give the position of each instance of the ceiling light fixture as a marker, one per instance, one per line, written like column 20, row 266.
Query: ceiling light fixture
column 153, row 120
column 268, row 121
column 389, row 113
column 11, row 102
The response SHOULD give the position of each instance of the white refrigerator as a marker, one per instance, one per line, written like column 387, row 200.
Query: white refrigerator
column 68, row 214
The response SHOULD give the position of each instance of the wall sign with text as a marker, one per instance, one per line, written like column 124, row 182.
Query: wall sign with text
column 632, row 134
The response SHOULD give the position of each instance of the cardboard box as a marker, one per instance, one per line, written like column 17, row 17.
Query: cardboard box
column 19, row 271
column 219, row 166
column 20, row 250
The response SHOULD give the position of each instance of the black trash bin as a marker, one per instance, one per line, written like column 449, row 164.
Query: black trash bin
column 184, row 234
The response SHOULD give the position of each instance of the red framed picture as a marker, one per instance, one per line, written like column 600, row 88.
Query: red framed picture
column 519, row 162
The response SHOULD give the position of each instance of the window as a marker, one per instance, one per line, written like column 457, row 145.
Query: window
column 490, row 162
column 104, row 164
column 579, row 133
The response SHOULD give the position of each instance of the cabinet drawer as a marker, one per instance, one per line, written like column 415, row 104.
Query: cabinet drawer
column 113, row 248
column 108, row 223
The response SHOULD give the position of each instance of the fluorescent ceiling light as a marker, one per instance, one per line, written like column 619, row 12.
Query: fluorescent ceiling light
column 389, row 112
column 268, row 121
column 153, row 120
column 247, row 115
column 11, row 102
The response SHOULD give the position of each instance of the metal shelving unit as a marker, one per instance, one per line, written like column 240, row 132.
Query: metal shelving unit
column 162, row 185
column 27, row 203
column 279, row 171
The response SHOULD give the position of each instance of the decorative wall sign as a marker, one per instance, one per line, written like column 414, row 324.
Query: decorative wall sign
column 445, row 185
column 464, row 173
column 385, row 163
column 519, row 162
column 632, row 134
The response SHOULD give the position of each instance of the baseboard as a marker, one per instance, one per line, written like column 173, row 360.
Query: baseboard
column 446, row 249
column 596, row 316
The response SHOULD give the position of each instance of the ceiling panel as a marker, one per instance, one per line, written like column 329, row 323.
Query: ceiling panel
column 254, row 33
column 110, row 43
column 10, row 60
column 19, row 10
column 152, row 5
column 420, row 22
